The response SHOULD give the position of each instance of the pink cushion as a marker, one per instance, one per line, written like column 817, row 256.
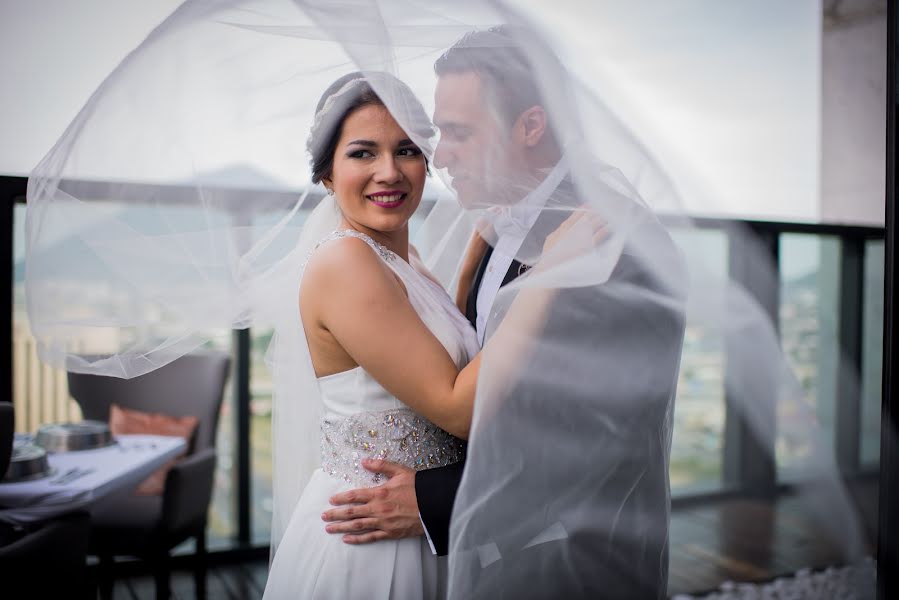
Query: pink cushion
column 125, row 421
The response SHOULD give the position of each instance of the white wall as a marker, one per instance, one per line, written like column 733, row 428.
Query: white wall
column 853, row 115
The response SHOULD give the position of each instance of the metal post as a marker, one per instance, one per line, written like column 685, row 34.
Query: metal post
column 749, row 460
column 10, row 189
column 242, row 346
column 888, row 522
column 849, row 389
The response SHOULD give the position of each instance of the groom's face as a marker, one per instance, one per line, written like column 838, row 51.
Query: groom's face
column 476, row 147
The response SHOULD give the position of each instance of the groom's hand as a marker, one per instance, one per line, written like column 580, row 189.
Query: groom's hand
column 389, row 511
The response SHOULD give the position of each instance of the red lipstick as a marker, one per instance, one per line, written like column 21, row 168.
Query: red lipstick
column 388, row 198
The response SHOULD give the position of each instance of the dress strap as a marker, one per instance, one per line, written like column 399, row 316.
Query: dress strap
column 383, row 251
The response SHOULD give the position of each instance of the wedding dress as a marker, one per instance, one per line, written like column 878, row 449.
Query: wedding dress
column 363, row 420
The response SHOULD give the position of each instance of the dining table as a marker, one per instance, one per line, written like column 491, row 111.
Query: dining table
column 80, row 480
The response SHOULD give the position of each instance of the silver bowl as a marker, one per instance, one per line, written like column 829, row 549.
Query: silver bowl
column 66, row 437
column 27, row 462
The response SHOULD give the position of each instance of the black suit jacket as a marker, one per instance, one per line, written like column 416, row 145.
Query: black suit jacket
column 610, row 564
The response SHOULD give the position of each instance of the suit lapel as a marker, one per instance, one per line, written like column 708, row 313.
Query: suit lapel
column 471, row 303
column 548, row 221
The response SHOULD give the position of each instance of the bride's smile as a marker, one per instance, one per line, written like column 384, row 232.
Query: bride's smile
column 388, row 199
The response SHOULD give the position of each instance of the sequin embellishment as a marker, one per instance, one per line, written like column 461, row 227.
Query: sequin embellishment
column 398, row 435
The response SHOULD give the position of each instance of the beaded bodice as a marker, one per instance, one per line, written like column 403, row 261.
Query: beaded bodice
column 363, row 420
column 399, row 435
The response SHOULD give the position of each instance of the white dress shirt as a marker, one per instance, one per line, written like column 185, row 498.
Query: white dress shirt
column 512, row 225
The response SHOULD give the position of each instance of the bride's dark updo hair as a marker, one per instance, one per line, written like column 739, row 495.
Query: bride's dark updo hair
column 348, row 94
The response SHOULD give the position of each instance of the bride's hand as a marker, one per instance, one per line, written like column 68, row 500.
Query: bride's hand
column 580, row 233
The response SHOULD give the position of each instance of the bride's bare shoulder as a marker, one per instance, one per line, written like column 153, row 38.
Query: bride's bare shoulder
column 348, row 263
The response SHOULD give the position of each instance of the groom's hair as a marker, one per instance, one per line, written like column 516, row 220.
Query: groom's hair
column 505, row 71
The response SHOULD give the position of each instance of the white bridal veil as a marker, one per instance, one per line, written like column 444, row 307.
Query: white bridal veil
column 178, row 204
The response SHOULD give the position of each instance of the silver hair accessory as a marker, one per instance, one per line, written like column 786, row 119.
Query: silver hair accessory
column 326, row 109
column 419, row 123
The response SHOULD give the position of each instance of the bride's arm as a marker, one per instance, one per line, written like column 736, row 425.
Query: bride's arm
column 351, row 294
column 358, row 300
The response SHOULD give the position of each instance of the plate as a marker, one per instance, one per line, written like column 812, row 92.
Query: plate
column 28, row 462
column 68, row 437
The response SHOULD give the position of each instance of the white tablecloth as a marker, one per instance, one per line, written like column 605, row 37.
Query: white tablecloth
column 115, row 468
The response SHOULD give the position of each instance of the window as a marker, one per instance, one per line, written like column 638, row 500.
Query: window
column 872, row 354
column 809, row 309
column 699, row 409
column 260, row 438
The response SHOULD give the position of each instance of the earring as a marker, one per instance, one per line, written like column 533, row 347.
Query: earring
column 330, row 191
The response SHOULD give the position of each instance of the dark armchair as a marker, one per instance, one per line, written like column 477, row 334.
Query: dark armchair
column 150, row 526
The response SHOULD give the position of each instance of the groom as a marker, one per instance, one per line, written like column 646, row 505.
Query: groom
column 497, row 143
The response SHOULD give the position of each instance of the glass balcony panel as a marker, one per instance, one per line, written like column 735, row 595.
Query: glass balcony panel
column 872, row 354
column 699, row 408
column 260, row 438
column 809, row 321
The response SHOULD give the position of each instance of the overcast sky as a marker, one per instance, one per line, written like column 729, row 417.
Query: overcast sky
column 725, row 94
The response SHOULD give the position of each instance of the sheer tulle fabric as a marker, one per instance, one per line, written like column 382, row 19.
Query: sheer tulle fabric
column 177, row 206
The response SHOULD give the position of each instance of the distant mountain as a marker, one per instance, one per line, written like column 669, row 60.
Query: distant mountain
column 233, row 177
column 242, row 176
column 809, row 280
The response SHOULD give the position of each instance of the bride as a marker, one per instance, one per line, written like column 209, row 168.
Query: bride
column 389, row 349
column 395, row 360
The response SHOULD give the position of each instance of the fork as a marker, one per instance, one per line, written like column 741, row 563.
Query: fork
column 71, row 475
